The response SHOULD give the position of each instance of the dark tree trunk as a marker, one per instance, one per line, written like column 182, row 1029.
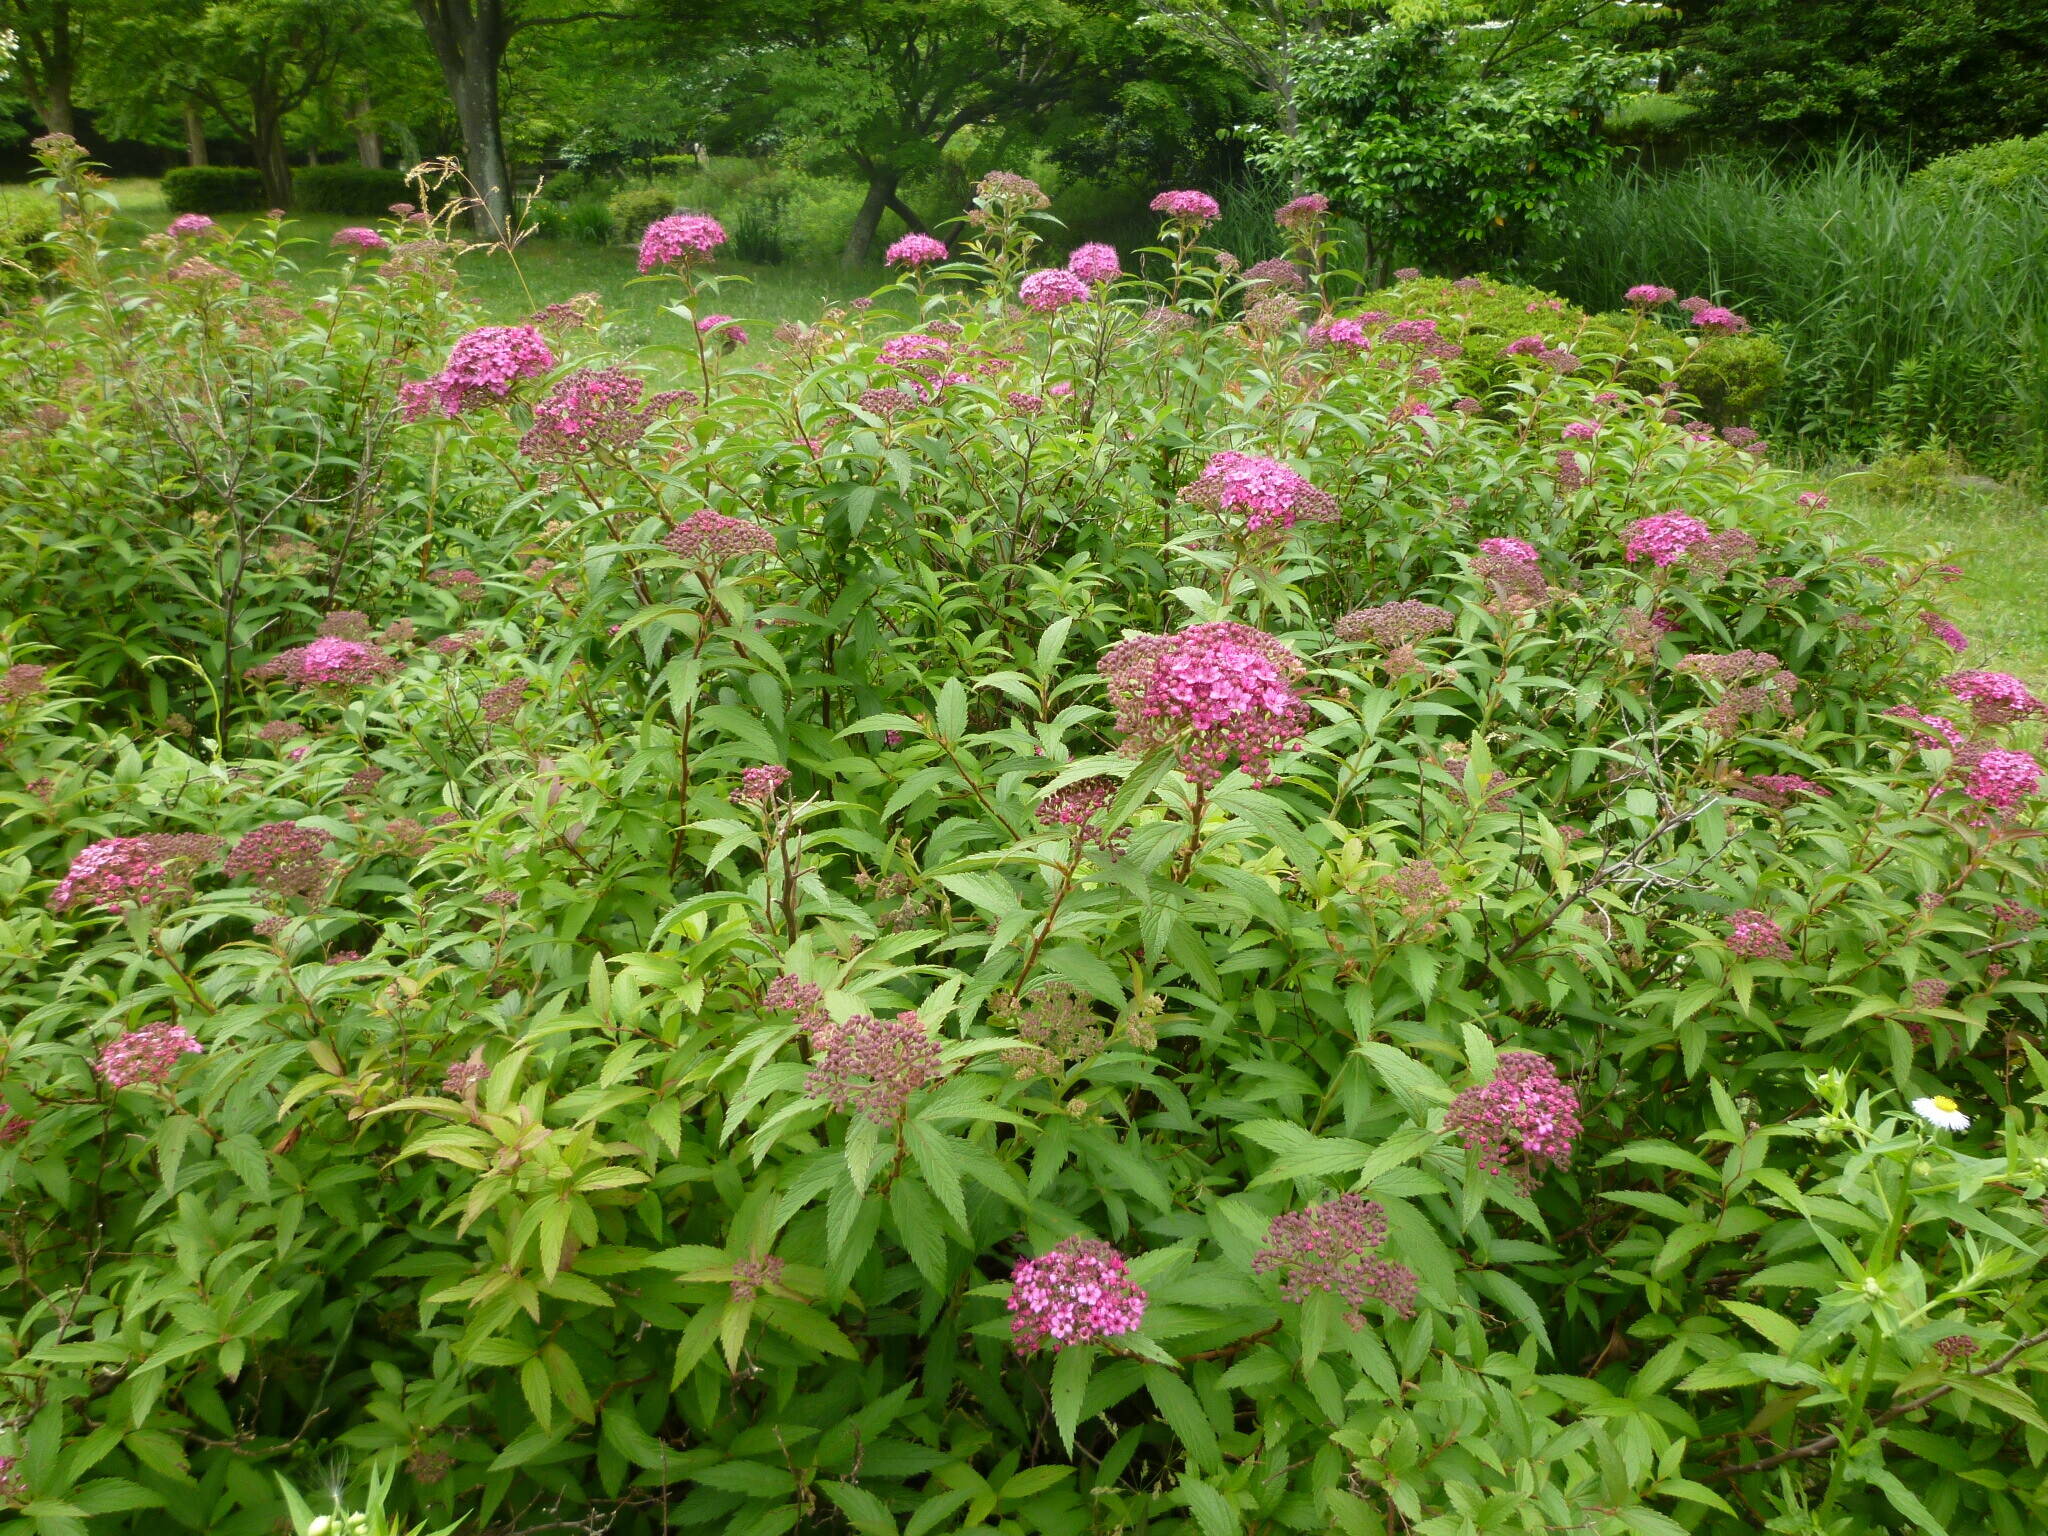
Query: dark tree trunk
column 861, row 238
column 273, row 160
column 48, row 64
column 369, row 143
column 195, row 134
column 468, row 38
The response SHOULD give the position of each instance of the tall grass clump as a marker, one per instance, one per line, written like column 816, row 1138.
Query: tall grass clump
column 1907, row 318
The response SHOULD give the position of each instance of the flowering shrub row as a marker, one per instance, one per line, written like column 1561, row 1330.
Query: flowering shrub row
column 1102, row 897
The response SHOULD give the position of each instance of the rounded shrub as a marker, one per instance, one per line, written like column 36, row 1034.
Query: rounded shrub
column 633, row 210
column 212, row 189
column 26, row 224
column 2004, row 168
column 1127, row 909
column 351, row 189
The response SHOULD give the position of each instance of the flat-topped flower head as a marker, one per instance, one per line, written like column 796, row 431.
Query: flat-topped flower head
column 191, row 226
column 1051, row 289
column 1995, row 698
column 593, row 411
column 155, row 869
column 1303, row 215
column 724, row 330
column 1216, row 693
column 145, row 1055
column 714, row 538
column 1077, row 1293
column 1186, row 207
column 284, row 859
column 1393, row 624
column 1079, row 804
column 331, row 663
column 1010, row 193
column 1329, row 1247
column 1753, row 936
column 356, row 237
column 915, row 250
column 1649, row 295
column 760, row 784
column 1510, row 549
column 1095, row 264
column 1777, row 790
column 1665, row 538
column 1523, row 1117
column 2002, row 780
column 1717, row 320
column 1942, row 1112
column 1265, row 492
column 680, row 240
column 484, row 365
column 870, row 1065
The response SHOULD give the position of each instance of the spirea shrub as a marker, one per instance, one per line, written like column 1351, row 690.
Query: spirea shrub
column 678, row 951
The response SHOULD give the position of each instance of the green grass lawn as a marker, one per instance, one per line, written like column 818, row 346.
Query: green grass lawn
column 2000, row 539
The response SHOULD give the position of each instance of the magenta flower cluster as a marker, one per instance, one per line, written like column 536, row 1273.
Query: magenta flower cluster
column 1187, row 207
column 1945, row 632
column 1995, row 698
column 2001, row 780
column 1666, row 537
column 1510, row 549
column 485, row 364
column 713, row 538
column 1079, row 804
column 145, row 1055
column 1077, row 1293
column 1051, row 289
column 1329, row 1247
column 1095, row 264
column 284, row 859
column 593, row 410
column 1753, row 936
column 915, row 251
column 1649, row 295
column 724, row 330
column 758, row 785
column 681, row 239
column 329, row 662
column 1266, row 492
column 158, row 867
column 356, row 237
column 191, row 226
column 1213, row 692
column 1304, row 213
column 1522, row 1117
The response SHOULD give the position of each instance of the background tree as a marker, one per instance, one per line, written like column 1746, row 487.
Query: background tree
column 52, row 40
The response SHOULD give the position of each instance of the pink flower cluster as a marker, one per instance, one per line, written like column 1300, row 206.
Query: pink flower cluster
column 752, row 1276
column 1649, row 295
column 915, row 251
column 1510, row 549
column 1995, row 698
column 1304, row 214
column 2001, row 780
column 1753, row 936
column 714, row 538
column 1078, row 804
column 724, row 330
column 915, row 347
column 359, row 238
column 1095, row 264
column 1666, row 537
column 1581, row 431
column 1392, row 624
column 484, row 364
column 145, row 1055
column 329, row 662
column 1051, row 289
column 1187, row 207
column 135, row 871
column 869, row 1064
column 1776, row 790
column 680, row 239
column 1945, row 632
column 1522, row 1116
column 1212, row 691
column 759, row 784
column 1329, row 1247
column 23, row 681
column 191, row 226
column 1077, row 1293
column 284, row 859
column 1267, row 492
column 1350, row 334
column 593, row 410
column 1719, row 321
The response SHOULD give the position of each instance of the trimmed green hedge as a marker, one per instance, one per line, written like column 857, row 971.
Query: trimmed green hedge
column 213, row 189
column 24, row 258
column 356, row 189
column 633, row 211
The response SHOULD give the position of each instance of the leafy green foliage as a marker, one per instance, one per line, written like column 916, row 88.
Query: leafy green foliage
column 474, row 1186
column 353, row 189
column 212, row 189
column 2007, row 167
column 633, row 210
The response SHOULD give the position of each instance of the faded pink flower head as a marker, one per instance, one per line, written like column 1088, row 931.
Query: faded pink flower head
column 356, row 237
column 1213, row 692
column 1077, row 1293
column 1814, row 501
column 1329, row 1247
column 1095, row 264
column 1051, row 289
column 870, row 1065
column 191, row 226
column 1666, row 537
column 1194, row 208
column 915, row 251
column 681, row 239
column 145, row 1055
column 135, row 871
column 1753, row 936
column 1581, row 431
column 593, row 411
column 759, row 784
column 284, row 859
column 715, row 538
column 1303, row 214
column 1522, row 1117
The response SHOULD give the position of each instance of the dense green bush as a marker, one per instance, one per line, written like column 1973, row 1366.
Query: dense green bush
column 2017, row 166
column 1904, row 318
column 1498, row 1080
column 632, row 211
column 212, row 189
column 25, row 225
column 350, row 189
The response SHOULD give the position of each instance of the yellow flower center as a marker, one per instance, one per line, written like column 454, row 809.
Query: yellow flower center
column 1946, row 1105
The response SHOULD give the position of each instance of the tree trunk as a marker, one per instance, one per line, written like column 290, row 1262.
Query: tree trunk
column 46, row 63
column 861, row 238
column 369, row 143
column 195, row 134
column 272, row 159
column 468, row 38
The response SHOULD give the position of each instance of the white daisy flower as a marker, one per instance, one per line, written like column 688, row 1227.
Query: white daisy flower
column 1942, row 1112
